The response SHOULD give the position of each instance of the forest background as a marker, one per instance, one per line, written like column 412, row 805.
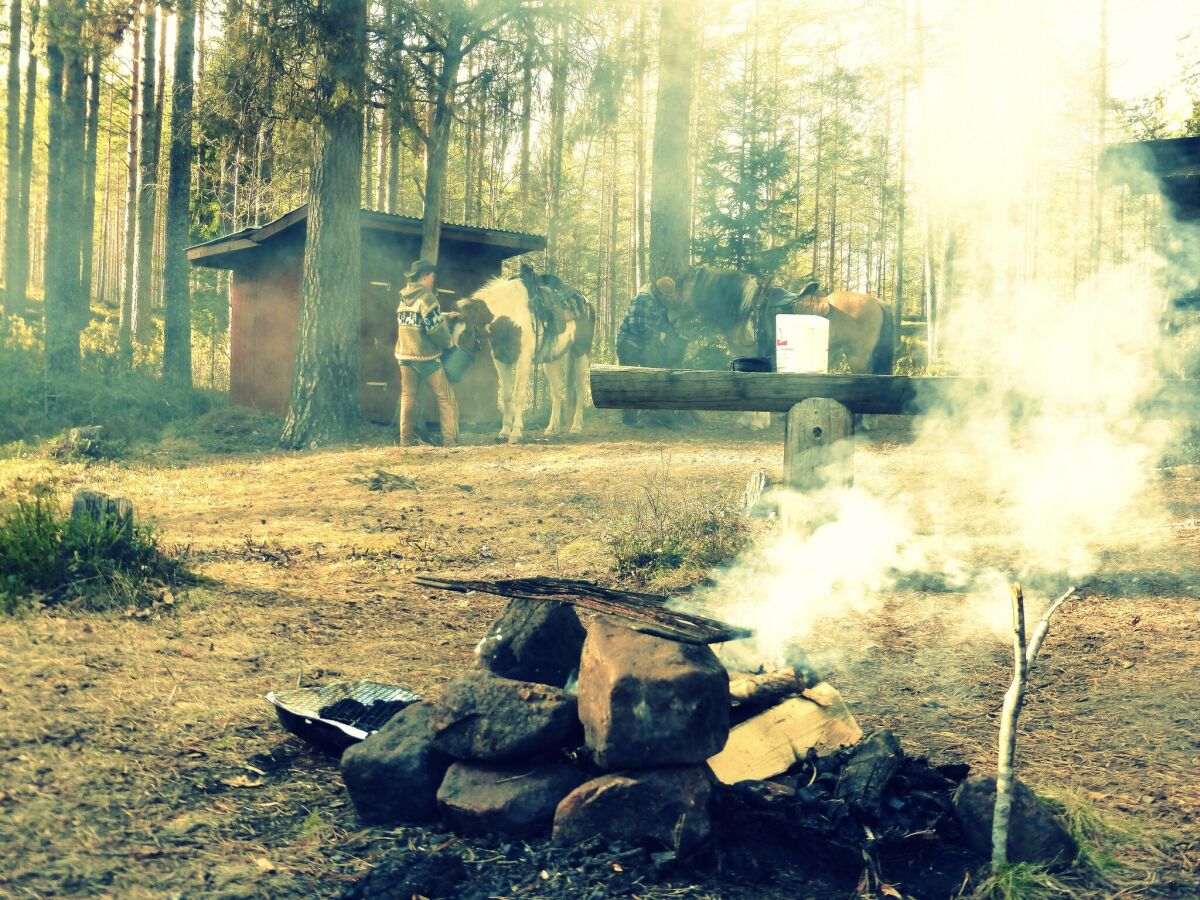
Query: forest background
column 792, row 140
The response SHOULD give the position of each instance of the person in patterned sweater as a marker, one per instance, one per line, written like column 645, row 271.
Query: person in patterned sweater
column 422, row 335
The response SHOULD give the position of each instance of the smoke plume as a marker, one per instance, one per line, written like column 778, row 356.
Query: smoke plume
column 1050, row 474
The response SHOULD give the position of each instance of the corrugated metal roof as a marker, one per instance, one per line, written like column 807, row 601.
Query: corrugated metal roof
column 215, row 252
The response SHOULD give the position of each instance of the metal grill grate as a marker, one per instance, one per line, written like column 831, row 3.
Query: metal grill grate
column 339, row 714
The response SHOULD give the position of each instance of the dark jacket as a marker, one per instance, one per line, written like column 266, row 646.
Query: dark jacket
column 645, row 321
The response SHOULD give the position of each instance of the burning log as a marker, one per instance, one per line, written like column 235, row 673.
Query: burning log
column 766, row 689
column 647, row 613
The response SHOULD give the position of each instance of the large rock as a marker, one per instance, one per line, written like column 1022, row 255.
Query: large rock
column 514, row 800
column 533, row 640
column 646, row 701
column 393, row 775
column 483, row 717
column 1034, row 835
column 657, row 808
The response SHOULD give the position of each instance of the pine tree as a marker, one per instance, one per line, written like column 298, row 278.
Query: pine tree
column 324, row 402
column 746, row 183
column 177, row 300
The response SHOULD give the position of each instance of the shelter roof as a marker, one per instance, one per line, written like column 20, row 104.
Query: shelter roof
column 1170, row 166
column 233, row 250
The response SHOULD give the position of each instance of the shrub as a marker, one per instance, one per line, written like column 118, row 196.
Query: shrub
column 677, row 532
column 92, row 564
column 130, row 401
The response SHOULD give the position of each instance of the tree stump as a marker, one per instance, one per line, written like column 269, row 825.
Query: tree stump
column 97, row 507
column 818, row 446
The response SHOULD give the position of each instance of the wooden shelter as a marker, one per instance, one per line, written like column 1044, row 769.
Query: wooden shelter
column 267, row 265
column 1169, row 167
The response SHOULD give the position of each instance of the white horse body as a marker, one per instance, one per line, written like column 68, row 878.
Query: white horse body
column 517, row 345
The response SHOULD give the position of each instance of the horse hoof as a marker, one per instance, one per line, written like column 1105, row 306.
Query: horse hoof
column 552, row 432
column 576, row 429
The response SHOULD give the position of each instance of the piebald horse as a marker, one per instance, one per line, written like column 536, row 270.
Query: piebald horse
column 524, row 334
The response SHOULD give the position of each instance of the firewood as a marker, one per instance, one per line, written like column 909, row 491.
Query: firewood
column 775, row 740
column 766, row 689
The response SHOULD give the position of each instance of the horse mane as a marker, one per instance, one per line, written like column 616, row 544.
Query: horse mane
column 505, row 297
column 722, row 297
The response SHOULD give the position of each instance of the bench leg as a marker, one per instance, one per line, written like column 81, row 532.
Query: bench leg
column 818, row 445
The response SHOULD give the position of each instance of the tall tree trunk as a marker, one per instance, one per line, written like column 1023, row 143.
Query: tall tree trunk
column 526, row 118
column 393, row 171
column 1101, row 137
column 131, row 204
column 639, row 154
column 381, row 188
column 614, row 220
column 325, row 400
column 818, row 171
column 439, row 150
column 88, row 221
column 201, row 55
column 14, row 294
column 901, row 207
column 558, row 115
column 74, row 168
column 671, row 189
column 468, row 195
column 177, row 299
column 18, row 277
column 369, row 157
column 67, row 89
column 147, row 182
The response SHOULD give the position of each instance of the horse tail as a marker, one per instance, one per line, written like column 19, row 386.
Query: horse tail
column 882, row 357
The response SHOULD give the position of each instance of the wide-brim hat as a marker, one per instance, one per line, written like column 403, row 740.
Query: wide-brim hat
column 420, row 269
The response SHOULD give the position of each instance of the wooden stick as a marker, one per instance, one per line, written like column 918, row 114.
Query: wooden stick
column 1008, row 735
column 1043, row 627
column 1023, row 660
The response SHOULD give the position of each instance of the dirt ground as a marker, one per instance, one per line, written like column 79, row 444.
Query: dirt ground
column 138, row 757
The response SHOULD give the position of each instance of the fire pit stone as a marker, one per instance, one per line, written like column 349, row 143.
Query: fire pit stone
column 484, row 717
column 657, row 808
column 647, row 702
column 533, row 640
column 513, row 800
column 1034, row 834
column 393, row 775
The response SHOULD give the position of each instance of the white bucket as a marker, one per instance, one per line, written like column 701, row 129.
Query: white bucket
column 801, row 343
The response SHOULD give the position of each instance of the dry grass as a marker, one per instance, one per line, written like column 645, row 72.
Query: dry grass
column 140, row 760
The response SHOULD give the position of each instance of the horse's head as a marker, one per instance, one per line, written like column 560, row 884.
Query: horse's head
column 469, row 330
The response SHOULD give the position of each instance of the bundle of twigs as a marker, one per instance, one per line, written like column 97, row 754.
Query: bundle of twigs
column 648, row 613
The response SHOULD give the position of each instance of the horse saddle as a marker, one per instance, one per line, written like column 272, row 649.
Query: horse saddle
column 807, row 302
column 552, row 302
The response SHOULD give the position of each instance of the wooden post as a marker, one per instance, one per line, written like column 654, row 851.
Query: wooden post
column 818, row 445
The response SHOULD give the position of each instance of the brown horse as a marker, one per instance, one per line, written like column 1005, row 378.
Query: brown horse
column 743, row 309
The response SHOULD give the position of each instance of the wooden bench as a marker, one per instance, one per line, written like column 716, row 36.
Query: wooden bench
column 818, row 446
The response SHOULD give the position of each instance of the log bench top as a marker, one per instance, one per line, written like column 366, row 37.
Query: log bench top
column 629, row 387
